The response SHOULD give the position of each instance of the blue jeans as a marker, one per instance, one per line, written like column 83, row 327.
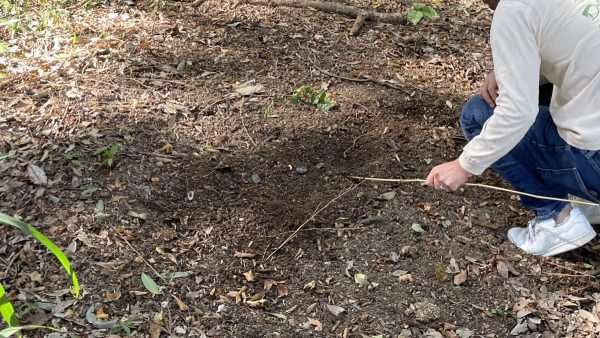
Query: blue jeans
column 542, row 163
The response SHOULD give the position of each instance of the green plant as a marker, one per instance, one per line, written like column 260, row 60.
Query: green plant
column 107, row 154
column 26, row 16
column 498, row 312
column 126, row 327
column 75, row 158
column 157, row 4
column 420, row 11
column 7, row 310
column 307, row 94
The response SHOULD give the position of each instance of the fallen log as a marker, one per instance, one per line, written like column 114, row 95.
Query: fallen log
column 361, row 15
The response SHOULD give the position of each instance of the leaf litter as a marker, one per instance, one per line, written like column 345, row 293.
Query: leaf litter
column 109, row 91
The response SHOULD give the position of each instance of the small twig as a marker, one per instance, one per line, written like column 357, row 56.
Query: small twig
column 354, row 143
column 244, row 126
column 139, row 255
column 323, row 229
column 569, row 269
column 480, row 186
column 208, row 107
column 312, row 218
column 364, row 79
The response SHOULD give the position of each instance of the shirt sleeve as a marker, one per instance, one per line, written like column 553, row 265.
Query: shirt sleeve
column 516, row 56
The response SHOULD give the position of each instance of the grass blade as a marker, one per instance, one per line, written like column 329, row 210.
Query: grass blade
column 6, row 309
column 62, row 258
column 16, row 329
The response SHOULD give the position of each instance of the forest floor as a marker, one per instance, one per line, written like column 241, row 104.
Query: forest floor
column 207, row 183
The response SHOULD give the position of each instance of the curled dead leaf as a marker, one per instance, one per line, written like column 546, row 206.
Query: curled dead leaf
column 502, row 269
column 460, row 278
column 182, row 306
column 249, row 276
column 316, row 323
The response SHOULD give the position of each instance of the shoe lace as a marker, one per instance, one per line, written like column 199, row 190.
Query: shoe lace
column 533, row 229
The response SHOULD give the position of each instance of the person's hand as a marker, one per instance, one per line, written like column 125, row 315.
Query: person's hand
column 489, row 90
column 448, row 176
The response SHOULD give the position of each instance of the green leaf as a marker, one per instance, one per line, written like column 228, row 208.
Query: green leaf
column 588, row 266
column 100, row 151
column 3, row 156
column 417, row 228
column 15, row 329
column 429, row 12
column 150, row 284
column 89, row 192
column 295, row 100
column 6, row 309
column 324, row 107
column 62, row 258
column 419, row 6
column 415, row 16
column 100, row 206
column 378, row 336
column 90, row 315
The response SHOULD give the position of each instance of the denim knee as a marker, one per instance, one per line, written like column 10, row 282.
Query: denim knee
column 474, row 114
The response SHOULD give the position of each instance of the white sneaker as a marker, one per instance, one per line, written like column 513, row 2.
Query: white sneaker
column 546, row 239
column 592, row 213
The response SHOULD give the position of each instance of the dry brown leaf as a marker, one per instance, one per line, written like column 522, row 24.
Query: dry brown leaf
column 585, row 315
column 249, row 276
column 35, row 277
column 239, row 254
column 460, row 278
column 154, row 330
column 268, row 284
column 282, row 290
column 112, row 296
column 502, row 269
column 316, row 323
column 180, row 303
column 335, row 310
column 100, row 314
column 409, row 278
column 311, row 308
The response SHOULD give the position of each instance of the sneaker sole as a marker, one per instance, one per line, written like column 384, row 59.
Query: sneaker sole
column 577, row 243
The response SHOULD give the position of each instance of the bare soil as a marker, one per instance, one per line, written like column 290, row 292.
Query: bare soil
column 203, row 177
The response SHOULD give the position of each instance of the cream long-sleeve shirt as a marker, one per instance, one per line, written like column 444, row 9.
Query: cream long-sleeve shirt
column 558, row 40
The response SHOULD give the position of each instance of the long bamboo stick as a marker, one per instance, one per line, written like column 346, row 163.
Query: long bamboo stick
column 418, row 180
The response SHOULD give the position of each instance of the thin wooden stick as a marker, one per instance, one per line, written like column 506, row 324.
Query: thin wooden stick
column 418, row 180
column 139, row 254
column 312, row 218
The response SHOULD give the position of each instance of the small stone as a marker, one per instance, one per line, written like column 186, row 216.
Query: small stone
column 427, row 312
column 302, row 170
column 388, row 196
column 256, row 179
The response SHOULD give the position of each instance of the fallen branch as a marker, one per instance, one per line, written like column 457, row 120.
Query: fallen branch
column 360, row 15
column 418, row 180
column 366, row 78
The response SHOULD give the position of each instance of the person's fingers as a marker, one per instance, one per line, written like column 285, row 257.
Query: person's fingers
column 436, row 182
column 429, row 180
column 485, row 95
column 493, row 91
